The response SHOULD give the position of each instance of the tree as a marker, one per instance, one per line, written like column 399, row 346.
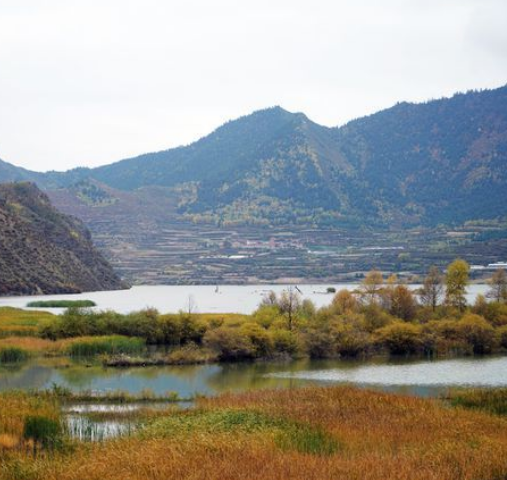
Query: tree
column 269, row 299
column 498, row 284
column 456, row 282
column 371, row 287
column 402, row 303
column 290, row 304
column 344, row 301
column 432, row 289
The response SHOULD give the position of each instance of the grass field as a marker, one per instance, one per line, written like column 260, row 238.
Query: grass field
column 74, row 347
column 17, row 322
column 311, row 433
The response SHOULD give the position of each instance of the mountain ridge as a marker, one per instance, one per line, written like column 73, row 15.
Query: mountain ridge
column 441, row 161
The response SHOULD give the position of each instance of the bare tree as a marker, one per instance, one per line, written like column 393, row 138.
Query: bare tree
column 498, row 286
column 290, row 304
column 270, row 299
column 432, row 289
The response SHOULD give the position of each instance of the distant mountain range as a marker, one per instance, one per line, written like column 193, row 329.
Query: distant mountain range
column 275, row 197
column 444, row 161
column 44, row 251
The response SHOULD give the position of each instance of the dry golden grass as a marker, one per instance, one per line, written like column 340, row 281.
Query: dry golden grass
column 40, row 346
column 8, row 442
column 14, row 321
column 31, row 344
column 379, row 436
column 15, row 407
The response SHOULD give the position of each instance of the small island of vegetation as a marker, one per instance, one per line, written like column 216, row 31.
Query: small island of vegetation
column 61, row 304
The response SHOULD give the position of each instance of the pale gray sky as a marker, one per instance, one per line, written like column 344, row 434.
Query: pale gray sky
column 88, row 82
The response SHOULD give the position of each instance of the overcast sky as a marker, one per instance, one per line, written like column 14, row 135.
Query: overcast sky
column 89, row 82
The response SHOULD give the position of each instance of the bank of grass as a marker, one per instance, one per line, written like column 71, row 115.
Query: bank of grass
column 311, row 433
column 113, row 396
column 190, row 354
column 76, row 347
column 105, row 345
column 61, row 304
column 17, row 322
column 492, row 400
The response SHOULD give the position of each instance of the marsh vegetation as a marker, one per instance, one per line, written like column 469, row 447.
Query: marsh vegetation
column 314, row 433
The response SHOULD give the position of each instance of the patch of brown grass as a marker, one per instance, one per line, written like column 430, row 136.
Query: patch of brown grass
column 381, row 436
column 16, row 406
column 31, row 344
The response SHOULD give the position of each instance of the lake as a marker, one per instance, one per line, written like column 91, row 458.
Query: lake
column 200, row 298
column 412, row 376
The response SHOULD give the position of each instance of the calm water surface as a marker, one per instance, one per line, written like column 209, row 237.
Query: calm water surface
column 201, row 298
column 419, row 377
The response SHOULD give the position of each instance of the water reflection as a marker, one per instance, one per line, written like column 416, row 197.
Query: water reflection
column 420, row 377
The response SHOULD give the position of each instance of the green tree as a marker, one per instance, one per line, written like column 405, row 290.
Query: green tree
column 456, row 281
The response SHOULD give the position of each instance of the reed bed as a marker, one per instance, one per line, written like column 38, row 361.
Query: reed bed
column 311, row 433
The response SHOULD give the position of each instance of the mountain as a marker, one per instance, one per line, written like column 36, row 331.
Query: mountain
column 44, row 251
column 273, row 196
column 443, row 161
column 272, row 166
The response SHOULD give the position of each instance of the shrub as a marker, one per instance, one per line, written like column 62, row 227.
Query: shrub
column 493, row 312
column 13, row 354
column 229, row 343
column 260, row 339
column 400, row 338
column 285, row 341
column 192, row 329
column 320, row 343
column 477, row 332
column 43, row 431
column 349, row 335
column 375, row 317
column 444, row 336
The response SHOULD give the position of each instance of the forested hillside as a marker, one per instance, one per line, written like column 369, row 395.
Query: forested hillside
column 443, row 161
